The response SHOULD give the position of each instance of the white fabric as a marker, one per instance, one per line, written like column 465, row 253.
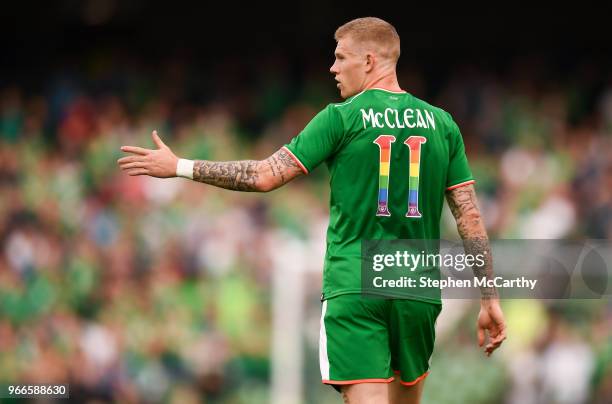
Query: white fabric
column 184, row 168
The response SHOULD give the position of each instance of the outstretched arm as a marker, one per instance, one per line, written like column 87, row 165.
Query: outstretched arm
column 463, row 205
column 248, row 175
column 244, row 175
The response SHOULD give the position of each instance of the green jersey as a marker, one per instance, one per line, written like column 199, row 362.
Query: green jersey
column 391, row 157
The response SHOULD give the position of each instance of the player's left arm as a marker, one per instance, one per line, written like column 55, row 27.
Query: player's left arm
column 463, row 204
column 243, row 175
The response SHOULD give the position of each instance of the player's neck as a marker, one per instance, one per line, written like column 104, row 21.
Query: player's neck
column 385, row 82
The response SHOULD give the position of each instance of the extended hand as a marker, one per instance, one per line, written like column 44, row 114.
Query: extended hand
column 491, row 320
column 159, row 163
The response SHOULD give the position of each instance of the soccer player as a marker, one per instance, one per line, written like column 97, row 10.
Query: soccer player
column 392, row 159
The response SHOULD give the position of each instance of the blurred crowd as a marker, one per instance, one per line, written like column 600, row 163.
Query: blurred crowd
column 134, row 289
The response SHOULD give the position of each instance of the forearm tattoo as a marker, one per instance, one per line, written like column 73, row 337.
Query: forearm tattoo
column 236, row 175
column 248, row 175
column 463, row 205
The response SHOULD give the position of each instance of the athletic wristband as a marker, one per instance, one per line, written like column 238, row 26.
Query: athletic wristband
column 184, row 168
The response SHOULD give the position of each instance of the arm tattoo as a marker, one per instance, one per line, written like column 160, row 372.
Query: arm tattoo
column 235, row 175
column 283, row 168
column 462, row 203
column 285, row 159
column 275, row 167
column 248, row 175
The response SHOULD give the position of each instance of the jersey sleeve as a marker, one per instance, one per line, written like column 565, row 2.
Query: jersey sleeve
column 459, row 173
column 319, row 139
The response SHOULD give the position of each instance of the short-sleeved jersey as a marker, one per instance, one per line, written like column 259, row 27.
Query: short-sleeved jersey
column 391, row 157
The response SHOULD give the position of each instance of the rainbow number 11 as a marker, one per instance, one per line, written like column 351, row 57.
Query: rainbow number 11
column 384, row 143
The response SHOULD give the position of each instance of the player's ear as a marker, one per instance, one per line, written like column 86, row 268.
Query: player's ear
column 369, row 63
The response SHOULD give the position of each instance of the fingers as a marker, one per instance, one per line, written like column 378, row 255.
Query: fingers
column 132, row 163
column 492, row 347
column 135, row 150
column 160, row 162
column 129, row 159
column 157, row 140
column 138, row 171
column 496, row 338
column 141, row 151
column 137, row 164
column 481, row 336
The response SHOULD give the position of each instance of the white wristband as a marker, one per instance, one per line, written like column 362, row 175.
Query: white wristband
column 184, row 168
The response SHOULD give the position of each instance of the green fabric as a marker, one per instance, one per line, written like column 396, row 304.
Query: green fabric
column 386, row 336
column 342, row 136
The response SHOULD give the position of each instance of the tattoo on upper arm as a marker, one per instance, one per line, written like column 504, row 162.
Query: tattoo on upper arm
column 275, row 167
column 282, row 168
column 286, row 160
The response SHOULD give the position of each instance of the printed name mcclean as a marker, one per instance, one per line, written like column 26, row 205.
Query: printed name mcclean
column 426, row 282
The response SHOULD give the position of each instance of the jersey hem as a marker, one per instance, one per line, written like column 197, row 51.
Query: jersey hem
column 461, row 184
column 375, row 292
column 297, row 160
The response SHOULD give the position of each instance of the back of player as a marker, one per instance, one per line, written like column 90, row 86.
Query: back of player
column 391, row 157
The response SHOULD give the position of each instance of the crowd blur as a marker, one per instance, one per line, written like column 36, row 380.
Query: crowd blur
column 135, row 289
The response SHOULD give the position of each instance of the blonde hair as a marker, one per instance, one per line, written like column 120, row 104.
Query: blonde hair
column 373, row 31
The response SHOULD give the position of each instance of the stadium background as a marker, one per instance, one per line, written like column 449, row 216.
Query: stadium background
column 147, row 290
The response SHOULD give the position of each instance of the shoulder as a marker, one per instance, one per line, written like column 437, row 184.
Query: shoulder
column 441, row 115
